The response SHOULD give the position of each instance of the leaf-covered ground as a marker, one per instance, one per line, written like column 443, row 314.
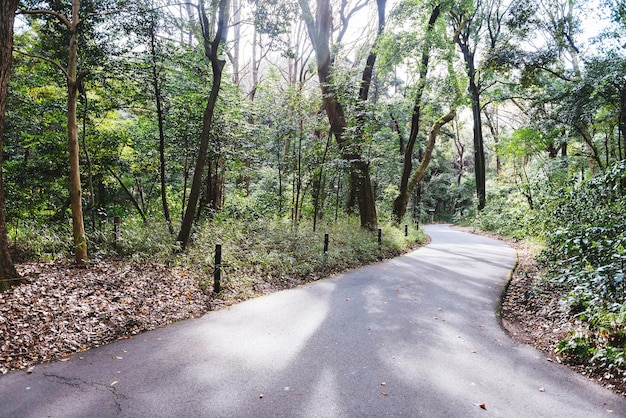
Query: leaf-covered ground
column 62, row 309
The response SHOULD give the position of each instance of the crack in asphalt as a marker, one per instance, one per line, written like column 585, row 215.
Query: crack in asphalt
column 80, row 384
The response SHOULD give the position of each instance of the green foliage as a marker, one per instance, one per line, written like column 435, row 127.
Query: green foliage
column 578, row 345
column 33, row 240
column 262, row 251
column 590, row 218
column 585, row 255
column 507, row 214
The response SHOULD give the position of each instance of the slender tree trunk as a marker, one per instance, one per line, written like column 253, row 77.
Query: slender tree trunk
column 130, row 195
column 298, row 215
column 186, row 167
column 319, row 187
column 463, row 41
column 463, row 38
column 156, row 86
column 92, row 196
column 419, row 173
column 217, row 65
column 401, row 201
column 8, row 273
column 78, row 227
column 234, row 56
column 479, row 148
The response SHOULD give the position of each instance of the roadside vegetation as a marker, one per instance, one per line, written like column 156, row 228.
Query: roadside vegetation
column 568, row 293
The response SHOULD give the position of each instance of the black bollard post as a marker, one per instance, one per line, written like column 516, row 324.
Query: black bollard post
column 380, row 237
column 117, row 228
column 406, row 230
column 217, row 274
column 326, row 244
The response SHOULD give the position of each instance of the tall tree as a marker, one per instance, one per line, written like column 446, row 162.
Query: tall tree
column 320, row 28
column 400, row 203
column 213, row 45
column 74, row 83
column 157, row 82
column 467, row 24
column 8, row 273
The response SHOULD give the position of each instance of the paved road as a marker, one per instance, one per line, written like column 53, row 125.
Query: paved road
column 415, row 336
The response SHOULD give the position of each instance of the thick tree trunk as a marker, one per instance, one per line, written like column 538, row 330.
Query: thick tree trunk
column 78, row 227
column 319, row 31
column 217, row 65
column 8, row 273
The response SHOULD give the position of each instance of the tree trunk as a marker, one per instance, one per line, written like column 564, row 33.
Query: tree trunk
column 479, row 149
column 217, row 65
column 92, row 195
column 78, row 227
column 401, row 201
column 214, row 185
column 318, row 187
column 419, row 173
column 156, row 87
column 8, row 273
column 319, row 31
column 463, row 41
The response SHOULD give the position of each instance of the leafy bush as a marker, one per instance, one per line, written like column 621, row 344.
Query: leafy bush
column 30, row 240
column 507, row 214
column 586, row 256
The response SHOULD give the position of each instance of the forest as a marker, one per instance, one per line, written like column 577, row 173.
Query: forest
column 146, row 132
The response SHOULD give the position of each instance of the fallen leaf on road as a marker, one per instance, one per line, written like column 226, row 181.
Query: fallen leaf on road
column 383, row 383
column 542, row 389
column 114, row 383
column 384, row 393
column 483, row 406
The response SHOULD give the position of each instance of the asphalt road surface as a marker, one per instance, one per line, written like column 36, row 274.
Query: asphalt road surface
column 416, row 336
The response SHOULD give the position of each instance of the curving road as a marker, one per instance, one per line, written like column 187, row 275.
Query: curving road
column 415, row 336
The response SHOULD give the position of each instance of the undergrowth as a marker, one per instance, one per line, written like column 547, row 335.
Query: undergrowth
column 583, row 228
column 258, row 255
column 269, row 253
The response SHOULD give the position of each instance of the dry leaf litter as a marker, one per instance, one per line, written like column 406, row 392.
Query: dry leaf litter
column 63, row 309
